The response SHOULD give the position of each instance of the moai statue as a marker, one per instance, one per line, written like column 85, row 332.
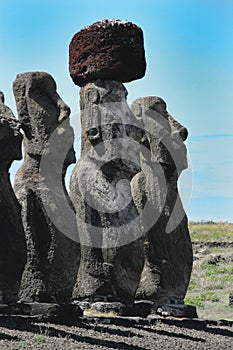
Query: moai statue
column 168, row 248
column 52, row 257
column 101, row 57
column 13, row 245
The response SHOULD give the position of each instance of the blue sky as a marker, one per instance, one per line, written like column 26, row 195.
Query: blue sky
column 189, row 51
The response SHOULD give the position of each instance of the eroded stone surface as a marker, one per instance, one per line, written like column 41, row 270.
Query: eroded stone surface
column 168, row 249
column 13, row 246
column 187, row 311
column 108, row 49
column 111, row 244
column 52, row 257
column 131, row 310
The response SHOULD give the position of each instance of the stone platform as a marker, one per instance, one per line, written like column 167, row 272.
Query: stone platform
column 47, row 311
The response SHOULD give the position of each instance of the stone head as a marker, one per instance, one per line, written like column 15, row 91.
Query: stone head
column 42, row 113
column 10, row 136
column 165, row 135
column 110, row 132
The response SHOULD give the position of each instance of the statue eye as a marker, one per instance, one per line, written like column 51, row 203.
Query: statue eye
column 93, row 133
column 92, row 95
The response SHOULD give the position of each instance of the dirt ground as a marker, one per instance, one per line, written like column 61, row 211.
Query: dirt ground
column 108, row 334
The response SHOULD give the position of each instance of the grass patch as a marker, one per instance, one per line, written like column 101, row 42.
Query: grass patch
column 20, row 344
column 211, row 284
column 199, row 300
column 40, row 338
column 211, row 231
column 214, row 270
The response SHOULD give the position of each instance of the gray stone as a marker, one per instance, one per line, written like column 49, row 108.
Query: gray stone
column 36, row 309
column 84, row 305
column 110, row 234
column 168, row 248
column 13, row 246
column 140, row 309
column 106, row 307
column 52, row 257
column 187, row 311
column 49, row 311
column 214, row 260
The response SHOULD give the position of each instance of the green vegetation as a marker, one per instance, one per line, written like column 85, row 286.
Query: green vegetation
column 40, row 338
column 21, row 344
column 211, row 283
column 200, row 300
column 211, row 231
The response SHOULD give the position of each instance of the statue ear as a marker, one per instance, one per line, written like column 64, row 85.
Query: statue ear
column 92, row 95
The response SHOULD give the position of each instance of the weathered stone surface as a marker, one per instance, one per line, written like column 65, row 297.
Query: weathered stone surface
column 168, row 249
column 141, row 309
column 108, row 49
column 52, row 312
column 13, row 246
column 60, row 312
column 84, row 305
column 187, row 311
column 111, row 244
column 35, row 309
column 106, row 307
column 52, row 257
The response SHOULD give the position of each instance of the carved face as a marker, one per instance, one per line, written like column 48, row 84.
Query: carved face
column 165, row 135
column 110, row 127
column 40, row 109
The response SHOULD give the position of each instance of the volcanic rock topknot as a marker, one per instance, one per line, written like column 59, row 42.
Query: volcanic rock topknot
column 108, row 49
